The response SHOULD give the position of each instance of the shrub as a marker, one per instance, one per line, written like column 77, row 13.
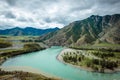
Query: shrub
column 5, row 44
column 32, row 47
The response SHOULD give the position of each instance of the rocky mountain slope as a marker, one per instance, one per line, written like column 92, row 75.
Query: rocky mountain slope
column 26, row 31
column 94, row 29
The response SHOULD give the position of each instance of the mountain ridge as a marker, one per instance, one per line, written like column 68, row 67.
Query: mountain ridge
column 87, row 31
column 17, row 31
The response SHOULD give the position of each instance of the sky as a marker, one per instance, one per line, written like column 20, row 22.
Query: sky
column 52, row 13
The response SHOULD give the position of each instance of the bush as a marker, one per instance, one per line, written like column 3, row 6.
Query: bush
column 32, row 47
column 5, row 44
column 95, row 68
column 102, row 54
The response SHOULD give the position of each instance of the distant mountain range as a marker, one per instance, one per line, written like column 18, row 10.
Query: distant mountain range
column 17, row 31
column 94, row 29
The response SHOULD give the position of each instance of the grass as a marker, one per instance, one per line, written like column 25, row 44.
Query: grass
column 20, row 75
column 9, row 50
column 101, row 60
column 106, row 45
column 4, row 44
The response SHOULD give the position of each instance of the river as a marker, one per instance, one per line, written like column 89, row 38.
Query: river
column 46, row 61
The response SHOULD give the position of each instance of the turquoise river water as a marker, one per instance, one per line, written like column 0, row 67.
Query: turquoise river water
column 46, row 61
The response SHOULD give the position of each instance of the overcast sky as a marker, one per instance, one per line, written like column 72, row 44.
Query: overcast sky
column 52, row 13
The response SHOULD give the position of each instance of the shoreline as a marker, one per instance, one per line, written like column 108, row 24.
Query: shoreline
column 24, row 69
column 27, row 69
column 11, row 56
column 59, row 58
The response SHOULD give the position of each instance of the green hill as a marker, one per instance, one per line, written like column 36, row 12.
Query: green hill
column 94, row 29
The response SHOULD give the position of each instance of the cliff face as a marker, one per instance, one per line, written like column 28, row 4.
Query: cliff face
column 88, row 31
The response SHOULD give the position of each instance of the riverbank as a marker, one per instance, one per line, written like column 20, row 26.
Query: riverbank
column 33, row 74
column 60, row 58
column 28, row 70
column 23, row 73
column 9, row 73
column 26, row 48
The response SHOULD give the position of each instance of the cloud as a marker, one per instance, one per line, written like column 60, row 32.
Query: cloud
column 108, row 2
column 9, row 15
column 52, row 13
column 11, row 2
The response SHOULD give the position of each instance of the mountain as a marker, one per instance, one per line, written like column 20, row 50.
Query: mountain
column 26, row 31
column 94, row 29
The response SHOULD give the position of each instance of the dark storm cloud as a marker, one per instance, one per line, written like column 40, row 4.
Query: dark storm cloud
column 22, row 19
column 111, row 2
column 9, row 15
column 11, row 2
column 48, row 20
column 52, row 13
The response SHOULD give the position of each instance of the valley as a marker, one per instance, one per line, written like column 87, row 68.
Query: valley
column 91, row 45
column 59, row 39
